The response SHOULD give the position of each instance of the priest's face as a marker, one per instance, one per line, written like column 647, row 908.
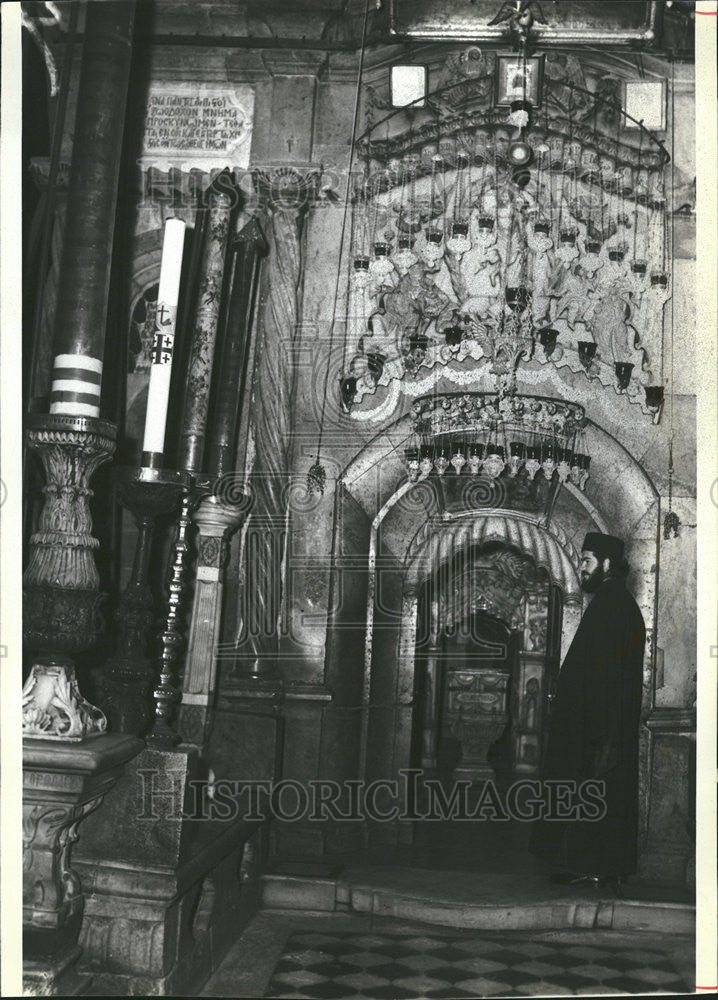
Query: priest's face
column 591, row 572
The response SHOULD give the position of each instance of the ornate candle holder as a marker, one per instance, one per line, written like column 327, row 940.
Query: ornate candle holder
column 128, row 674
column 61, row 583
column 162, row 735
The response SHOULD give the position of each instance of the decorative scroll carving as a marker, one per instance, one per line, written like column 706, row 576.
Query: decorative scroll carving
column 52, row 706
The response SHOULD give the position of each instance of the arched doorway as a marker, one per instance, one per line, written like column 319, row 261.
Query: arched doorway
column 487, row 651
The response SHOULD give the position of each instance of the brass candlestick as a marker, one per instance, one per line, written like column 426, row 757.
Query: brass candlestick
column 162, row 735
column 127, row 677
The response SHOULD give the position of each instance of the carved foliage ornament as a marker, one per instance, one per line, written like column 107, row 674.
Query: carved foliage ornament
column 52, row 706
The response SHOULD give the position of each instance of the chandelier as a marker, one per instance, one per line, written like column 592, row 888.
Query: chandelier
column 498, row 437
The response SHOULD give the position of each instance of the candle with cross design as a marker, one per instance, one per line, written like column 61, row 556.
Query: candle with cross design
column 163, row 344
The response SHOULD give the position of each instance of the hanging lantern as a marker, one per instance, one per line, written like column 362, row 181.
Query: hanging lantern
column 361, row 272
column 404, row 258
column 486, row 235
column 579, row 470
column 411, row 455
column 623, row 374
column 381, row 266
column 548, row 462
column 441, row 461
column 586, row 352
column 433, row 251
column 532, row 463
column 638, row 276
column 564, row 464
column 426, row 459
column 347, row 391
column 476, row 452
column 567, row 250
column 517, row 450
column 459, row 243
column 617, row 253
column 453, row 334
column 458, row 458
column 547, row 338
column 494, row 463
column 654, row 400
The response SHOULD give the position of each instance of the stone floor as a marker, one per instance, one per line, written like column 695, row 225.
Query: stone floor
column 349, row 956
column 462, row 912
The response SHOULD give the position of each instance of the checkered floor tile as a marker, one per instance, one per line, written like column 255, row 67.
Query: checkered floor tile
column 406, row 965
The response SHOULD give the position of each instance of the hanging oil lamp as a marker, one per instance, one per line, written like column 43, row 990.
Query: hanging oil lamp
column 459, row 242
column 547, row 337
column 548, row 461
column 347, row 391
column 516, row 456
column 411, row 456
column 432, row 251
column 586, row 352
column 404, row 258
column 579, row 470
column 442, row 458
column 380, row 267
column 654, row 400
column 623, row 374
column 476, row 454
column 426, row 459
column 361, row 271
column 532, row 463
column 486, row 235
column 458, row 458
column 494, row 463
column 567, row 250
column 564, row 464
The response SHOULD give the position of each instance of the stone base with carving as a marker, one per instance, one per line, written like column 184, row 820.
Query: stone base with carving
column 170, row 891
column 669, row 850
column 62, row 784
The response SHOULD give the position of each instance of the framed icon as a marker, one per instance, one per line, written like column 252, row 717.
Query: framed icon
column 519, row 79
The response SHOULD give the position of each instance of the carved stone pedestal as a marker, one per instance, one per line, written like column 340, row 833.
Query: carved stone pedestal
column 669, row 850
column 61, row 784
column 173, row 881
column 216, row 521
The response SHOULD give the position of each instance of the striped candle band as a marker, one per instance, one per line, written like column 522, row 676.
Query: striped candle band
column 76, row 384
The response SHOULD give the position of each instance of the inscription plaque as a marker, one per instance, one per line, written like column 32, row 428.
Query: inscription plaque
column 197, row 126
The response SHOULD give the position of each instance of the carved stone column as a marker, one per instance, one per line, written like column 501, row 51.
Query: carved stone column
column 62, row 783
column 61, row 582
column 222, row 201
column 216, row 521
column 286, row 194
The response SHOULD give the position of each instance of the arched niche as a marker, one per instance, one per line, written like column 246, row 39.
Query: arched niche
column 393, row 539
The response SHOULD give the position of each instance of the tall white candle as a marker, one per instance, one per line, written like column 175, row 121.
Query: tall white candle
column 164, row 337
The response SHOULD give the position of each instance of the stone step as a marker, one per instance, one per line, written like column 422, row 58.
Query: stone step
column 474, row 901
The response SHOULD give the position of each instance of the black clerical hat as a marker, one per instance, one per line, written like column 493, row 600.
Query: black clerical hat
column 603, row 546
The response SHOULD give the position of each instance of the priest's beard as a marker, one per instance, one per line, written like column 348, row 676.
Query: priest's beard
column 590, row 582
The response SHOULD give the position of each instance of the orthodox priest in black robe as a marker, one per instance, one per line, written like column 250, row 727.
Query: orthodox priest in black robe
column 594, row 724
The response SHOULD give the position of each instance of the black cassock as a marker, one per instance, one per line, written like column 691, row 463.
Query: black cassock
column 593, row 733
